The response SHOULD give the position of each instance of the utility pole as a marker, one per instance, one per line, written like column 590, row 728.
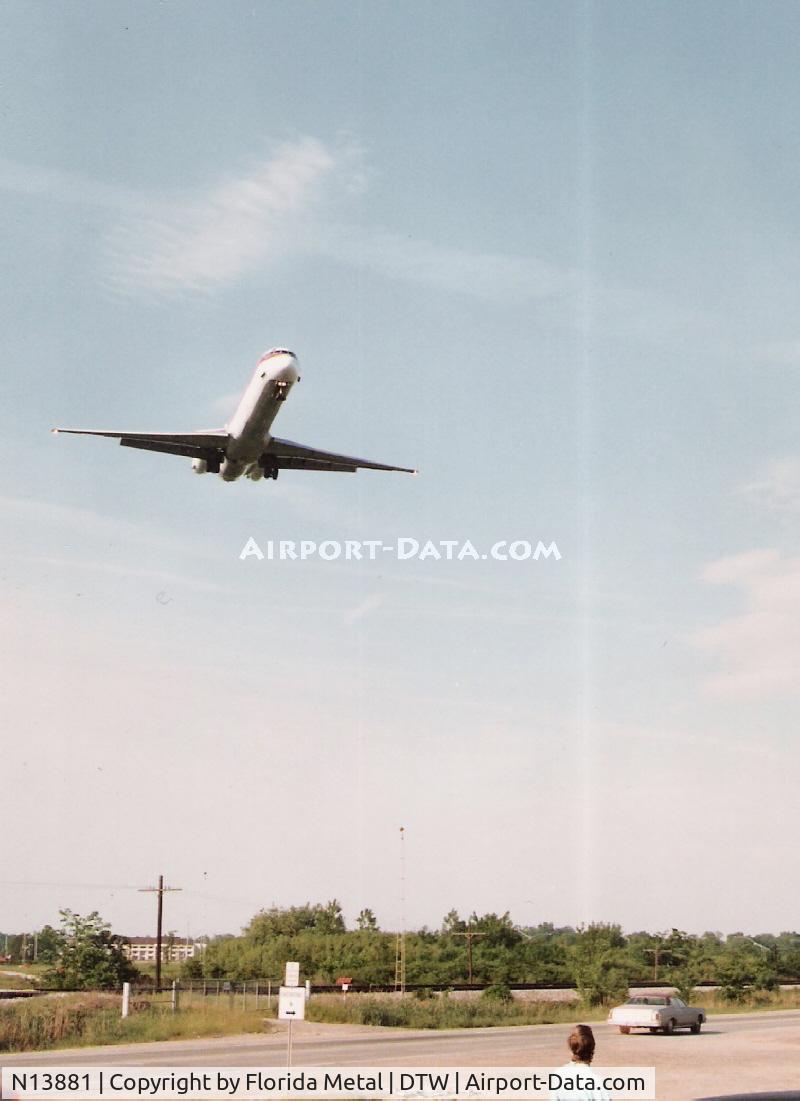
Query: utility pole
column 656, row 954
column 159, row 890
column 470, row 934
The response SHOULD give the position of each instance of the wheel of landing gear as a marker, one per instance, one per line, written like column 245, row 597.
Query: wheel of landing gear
column 653, row 1031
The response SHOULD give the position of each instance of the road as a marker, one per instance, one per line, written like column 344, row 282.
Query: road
column 756, row 1051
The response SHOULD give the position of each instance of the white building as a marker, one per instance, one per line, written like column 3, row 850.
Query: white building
column 173, row 949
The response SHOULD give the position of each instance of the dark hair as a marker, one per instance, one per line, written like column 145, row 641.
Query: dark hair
column 581, row 1044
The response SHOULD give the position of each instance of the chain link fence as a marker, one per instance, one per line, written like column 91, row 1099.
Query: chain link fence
column 253, row 994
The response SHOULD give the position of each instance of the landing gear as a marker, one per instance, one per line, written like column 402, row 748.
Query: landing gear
column 270, row 467
column 212, row 466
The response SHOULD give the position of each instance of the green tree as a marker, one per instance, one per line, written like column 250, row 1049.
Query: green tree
column 366, row 921
column 329, row 918
column 452, row 923
column 47, row 945
column 277, row 922
column 496, row 930
column 742, row 972
column 599, row 964
column 88, row 956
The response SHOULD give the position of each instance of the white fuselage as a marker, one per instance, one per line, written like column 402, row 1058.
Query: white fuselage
column 245, row 445
column 249, row 428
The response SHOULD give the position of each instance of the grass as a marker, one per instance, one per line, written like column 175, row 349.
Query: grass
column 78, row 1020
column 437, row 1013
column 445, row 1012
column 714, row 1002
column 9, row 981
column 93, row 1019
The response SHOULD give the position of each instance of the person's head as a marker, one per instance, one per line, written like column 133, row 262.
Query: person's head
column 581, row 1044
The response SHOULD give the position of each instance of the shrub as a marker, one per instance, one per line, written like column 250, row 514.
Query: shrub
column 499, row 992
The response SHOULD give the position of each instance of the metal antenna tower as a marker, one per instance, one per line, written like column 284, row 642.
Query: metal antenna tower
column 400, row 947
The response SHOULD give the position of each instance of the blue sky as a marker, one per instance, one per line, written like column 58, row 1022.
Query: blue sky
column 544, row 252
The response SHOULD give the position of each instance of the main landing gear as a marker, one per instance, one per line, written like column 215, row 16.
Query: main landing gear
column 270, row 467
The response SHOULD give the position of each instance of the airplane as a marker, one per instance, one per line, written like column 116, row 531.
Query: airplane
column 244, row 446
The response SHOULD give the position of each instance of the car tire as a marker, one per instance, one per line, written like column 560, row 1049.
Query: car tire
column 697, row 1025
column 624, row 1029
column 669, row 1026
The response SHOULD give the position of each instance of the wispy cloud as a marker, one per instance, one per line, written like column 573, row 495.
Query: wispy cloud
column 240, row 226
column 776, row 488
column 291, row 203
column 364, row 607
column 63, row 186
column 166, row 578
column 757, row 652
column 777, row 353
column 294, row 203
column 494, row 276
column 44, row 519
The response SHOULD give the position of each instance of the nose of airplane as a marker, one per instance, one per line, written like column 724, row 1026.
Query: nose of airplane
column 288, row 371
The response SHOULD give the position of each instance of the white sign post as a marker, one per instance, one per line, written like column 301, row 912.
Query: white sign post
column 291, row 1003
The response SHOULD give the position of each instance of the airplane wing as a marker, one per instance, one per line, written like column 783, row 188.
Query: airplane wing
column 194, row 444
column 296, row 456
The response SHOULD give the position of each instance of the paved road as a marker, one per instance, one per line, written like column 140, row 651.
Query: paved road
column 759, row 1051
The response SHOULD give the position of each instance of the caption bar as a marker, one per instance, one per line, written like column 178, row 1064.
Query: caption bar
column 271, row 1084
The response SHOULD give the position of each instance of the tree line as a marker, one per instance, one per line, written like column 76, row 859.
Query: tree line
column 598, row 959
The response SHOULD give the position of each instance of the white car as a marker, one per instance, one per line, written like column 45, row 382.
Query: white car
column 658, row 1012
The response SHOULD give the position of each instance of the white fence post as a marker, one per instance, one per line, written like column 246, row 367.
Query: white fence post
column 126, row 999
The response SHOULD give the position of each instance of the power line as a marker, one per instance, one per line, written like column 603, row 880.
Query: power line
column 68, row 886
